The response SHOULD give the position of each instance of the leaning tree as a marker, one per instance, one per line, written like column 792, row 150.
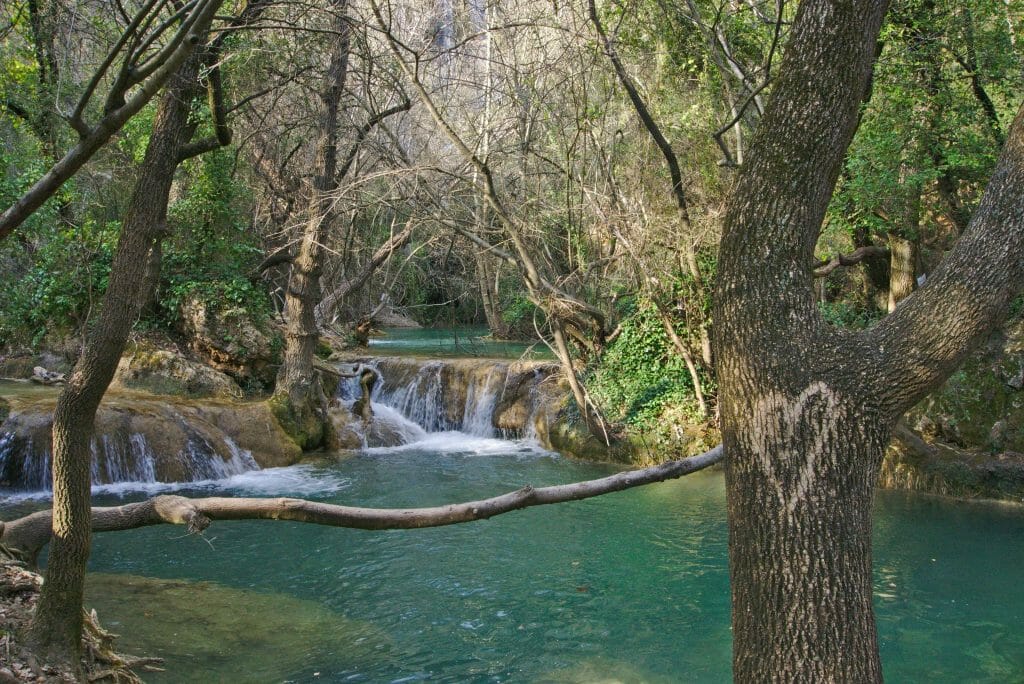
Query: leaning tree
column 808, row 409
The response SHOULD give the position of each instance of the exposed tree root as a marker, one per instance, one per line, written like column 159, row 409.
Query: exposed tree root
column 19, row 591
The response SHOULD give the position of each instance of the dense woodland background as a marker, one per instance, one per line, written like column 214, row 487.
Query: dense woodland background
column 579, row 189
column 248, row 181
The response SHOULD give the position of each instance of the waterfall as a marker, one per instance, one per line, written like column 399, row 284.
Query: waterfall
column 487, row 399
column 134, row 449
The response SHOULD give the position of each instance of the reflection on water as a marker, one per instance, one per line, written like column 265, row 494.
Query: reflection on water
column 631, row 587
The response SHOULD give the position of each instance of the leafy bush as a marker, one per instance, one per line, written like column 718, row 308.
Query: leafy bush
column 641, row 375
column 57, row 290
column 846, row 314
column 211, row 253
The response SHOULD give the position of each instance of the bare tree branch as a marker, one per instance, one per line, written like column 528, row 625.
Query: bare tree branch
column 823, row 268
column 28, row 535
column 95, row 137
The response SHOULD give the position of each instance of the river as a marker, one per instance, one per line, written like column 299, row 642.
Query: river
column 629, row 587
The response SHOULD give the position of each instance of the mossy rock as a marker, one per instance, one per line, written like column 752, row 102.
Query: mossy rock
column 913, row 464
column 182, row 440
column 162, row 371
column 302, row 423
column 231, row 340
column 981, row 406
column 21, row 366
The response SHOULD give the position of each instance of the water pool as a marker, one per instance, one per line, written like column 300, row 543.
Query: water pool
column 630, row 587
column 453, row 343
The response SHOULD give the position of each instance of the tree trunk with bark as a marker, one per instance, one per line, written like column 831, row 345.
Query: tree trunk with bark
column 807, row 409
column 56, row 628
column 902, row 269
column 298, row 401
column 487, row 275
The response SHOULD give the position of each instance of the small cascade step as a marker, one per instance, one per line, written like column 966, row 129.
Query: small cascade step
column 120, row 455
column 490, row 399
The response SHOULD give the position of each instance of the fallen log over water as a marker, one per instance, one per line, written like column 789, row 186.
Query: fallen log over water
column 25, row 537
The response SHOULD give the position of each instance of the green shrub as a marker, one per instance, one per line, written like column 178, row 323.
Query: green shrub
column 845, row 314
column 641, row 375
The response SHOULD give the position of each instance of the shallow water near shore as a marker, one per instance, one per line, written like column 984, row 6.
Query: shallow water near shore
column 630, row 587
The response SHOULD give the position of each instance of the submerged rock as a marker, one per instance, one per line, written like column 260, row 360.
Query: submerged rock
column 207, row 632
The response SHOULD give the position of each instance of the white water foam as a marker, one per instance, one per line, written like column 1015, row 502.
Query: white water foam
column 455, row 442
column 299, row 481
column 394, row 421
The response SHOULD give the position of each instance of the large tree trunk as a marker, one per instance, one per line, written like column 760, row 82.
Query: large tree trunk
column 56, row 628
column 298, row 400
column 807, row 409
column 800, row 476
column 802, row 451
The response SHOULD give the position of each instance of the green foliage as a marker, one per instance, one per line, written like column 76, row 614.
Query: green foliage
column 520, row 314
column 847, row 314
column 924, row 120
column 1016, row 308
column 211, row 252
column 134, row 137
column 640, row 375
column 59, row 287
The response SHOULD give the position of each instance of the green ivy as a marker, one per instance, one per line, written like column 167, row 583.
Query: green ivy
column 640, row 375
column 211, row 252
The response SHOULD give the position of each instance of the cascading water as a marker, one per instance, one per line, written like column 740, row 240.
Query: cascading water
column 125, row 454
column 412, row 399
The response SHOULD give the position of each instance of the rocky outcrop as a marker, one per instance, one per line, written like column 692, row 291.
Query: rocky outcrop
column 480, row 396
column 394, row 318
column 967, row 438
column 230, row 341
column 913, row 464
column 140, row 438
column 163, row 371
column 41, row 376
column 981, row 406
column 22, row 366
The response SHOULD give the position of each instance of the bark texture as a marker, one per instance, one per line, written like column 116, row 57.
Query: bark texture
column 902, row 269
column 807, row 409
column 56, row 629
column 802, row 442
column 298, row 399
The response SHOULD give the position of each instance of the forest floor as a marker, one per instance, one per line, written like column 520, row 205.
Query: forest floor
column 19, row 592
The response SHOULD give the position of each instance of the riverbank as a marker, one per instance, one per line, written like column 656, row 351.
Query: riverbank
column 966, row 440
column 19, row 593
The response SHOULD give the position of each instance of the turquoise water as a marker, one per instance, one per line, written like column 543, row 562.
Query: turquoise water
column 453, row 342
column 630, row 587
